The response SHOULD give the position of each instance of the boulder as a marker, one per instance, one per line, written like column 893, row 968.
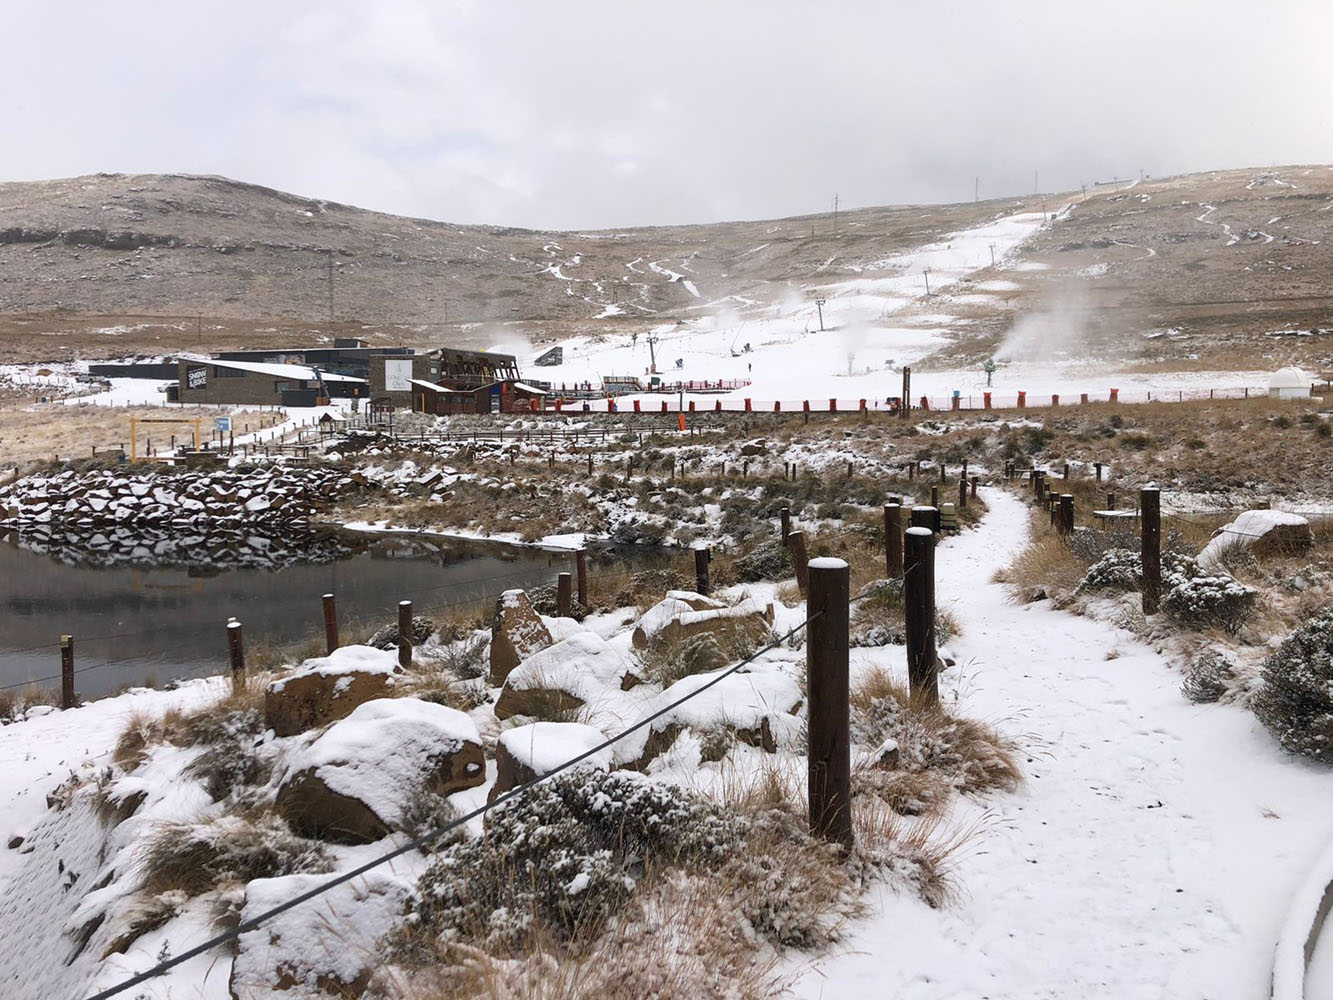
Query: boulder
column 525, row 753
column 516, row 634
column 756, row 447
column 563, row 677
column 319, row 951
column 677, row 602
column 718, row 621
column 328, row 688
column 1262, row 532
column 360, row 779
column 759, row 706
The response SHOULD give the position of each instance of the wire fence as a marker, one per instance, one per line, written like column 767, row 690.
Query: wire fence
column 430, row 841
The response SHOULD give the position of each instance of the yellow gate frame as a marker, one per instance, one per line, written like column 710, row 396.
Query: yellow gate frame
column 136, row 421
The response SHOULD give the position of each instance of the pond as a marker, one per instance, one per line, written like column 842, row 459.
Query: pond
column 147, row 607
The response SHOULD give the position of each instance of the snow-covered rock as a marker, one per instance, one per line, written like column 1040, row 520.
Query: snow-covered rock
column 359, row 779
column 1263, row 532
column 319, row 950
column 760, row 705
column 565, row 676
column 327, row 688
column 676, row 603
column 525, row 753
column 517, row 633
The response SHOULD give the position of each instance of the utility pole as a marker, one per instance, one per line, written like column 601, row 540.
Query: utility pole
column 199, row 329
column 925, row 273
column 331, row 330
column 652, row 354
column 976, row 189
column 992, row 255
column 1035, row 188
column 835, row 217
column 819, row 304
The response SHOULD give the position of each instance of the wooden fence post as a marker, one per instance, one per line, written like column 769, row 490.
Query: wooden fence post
column 564, row 585
column 975, row 481
column 330, row 623
column 925, row 517
column 962, row 493
column 934, row 496
column 1150, row 506
column 67, row 697
column 1110, row 499
column 919, row 612
column 581, row 576
column 236, row 654
column 405, row 634
column 799, row 561
column 893, row 541
column 785, row 514
column 1066, row 523
column 701, row 559
column 1098, row 467
column 826, row 665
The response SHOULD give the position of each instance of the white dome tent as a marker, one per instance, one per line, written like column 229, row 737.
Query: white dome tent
column 1289, row 383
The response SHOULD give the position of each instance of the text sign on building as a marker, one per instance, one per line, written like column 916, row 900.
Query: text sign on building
column 196, row 378
column 398, row 375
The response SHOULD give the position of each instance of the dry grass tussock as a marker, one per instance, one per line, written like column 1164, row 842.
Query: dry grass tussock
column 209, row 724
column 1045, row 567
column 938, row 752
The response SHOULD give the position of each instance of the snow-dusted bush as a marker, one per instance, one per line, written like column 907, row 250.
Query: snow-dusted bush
column 769, row 561
column 1296, row 700
column 1205, row 601
column 387, row 637
column 665, row 663
column 1120, row 570
column 1206, row 679
column 565, row 856
column 1117, row 571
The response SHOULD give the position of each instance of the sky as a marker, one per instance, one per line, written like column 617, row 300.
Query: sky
column 590, row 114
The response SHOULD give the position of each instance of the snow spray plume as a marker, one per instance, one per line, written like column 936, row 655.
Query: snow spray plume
column 1058, row 328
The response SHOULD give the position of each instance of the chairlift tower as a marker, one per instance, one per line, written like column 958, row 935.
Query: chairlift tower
column 819, row 304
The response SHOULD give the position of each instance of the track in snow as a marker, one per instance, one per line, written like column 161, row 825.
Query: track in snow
column 1152, row 850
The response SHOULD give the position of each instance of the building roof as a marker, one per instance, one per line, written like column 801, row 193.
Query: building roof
column 1289, row 378
column 304, row 372
column 530, row 388
column 423, row 384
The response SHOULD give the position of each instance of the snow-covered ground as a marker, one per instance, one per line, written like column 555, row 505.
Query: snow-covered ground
column 873, row 324
column 1152, row 851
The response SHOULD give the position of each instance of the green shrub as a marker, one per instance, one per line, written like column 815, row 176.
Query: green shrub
column 1295, row 703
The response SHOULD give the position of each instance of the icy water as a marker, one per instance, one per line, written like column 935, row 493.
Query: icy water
column 146, row 608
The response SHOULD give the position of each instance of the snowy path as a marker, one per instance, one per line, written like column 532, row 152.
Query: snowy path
column 1152, row 850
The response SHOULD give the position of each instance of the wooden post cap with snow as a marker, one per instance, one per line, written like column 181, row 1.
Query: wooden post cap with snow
column 826, row 662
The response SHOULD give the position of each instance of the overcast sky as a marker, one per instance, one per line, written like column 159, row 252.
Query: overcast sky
column 601, row 114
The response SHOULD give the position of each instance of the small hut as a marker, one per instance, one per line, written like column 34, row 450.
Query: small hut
column 1289, row 383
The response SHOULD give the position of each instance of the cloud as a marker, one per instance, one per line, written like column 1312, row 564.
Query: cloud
column 603, row 114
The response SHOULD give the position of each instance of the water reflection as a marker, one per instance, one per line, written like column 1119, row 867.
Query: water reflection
column 144, row 607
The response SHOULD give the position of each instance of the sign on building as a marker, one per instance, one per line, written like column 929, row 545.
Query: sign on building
column 398, row 375
column 223, row 424
column 196, row 378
